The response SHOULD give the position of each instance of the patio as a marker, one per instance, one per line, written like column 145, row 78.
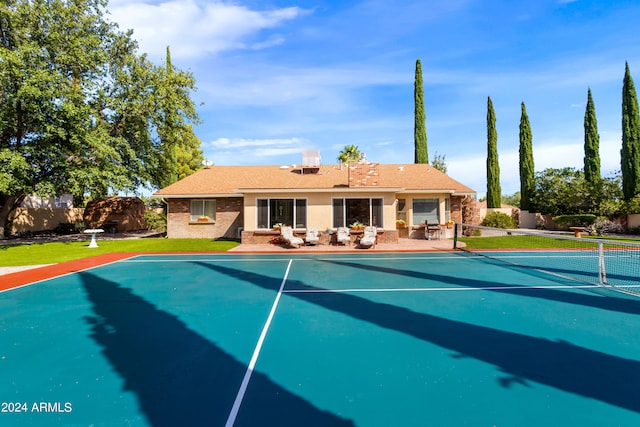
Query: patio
column 403, row 244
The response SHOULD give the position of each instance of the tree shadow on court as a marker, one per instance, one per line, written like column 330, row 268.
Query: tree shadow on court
column 179, row 377
column 591, row 297
column 521, row 358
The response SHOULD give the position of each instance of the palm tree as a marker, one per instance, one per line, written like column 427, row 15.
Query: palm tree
column 349, row 154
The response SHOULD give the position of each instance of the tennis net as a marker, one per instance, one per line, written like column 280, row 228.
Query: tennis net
column 613, row 263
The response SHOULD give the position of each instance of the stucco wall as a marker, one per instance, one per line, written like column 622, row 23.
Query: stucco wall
column 32, row 219
column 454, row 204
column 320, row 207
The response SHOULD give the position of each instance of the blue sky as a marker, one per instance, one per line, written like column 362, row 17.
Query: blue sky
column 278, row 77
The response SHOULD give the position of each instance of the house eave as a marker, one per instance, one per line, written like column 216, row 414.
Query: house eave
column 429, row 191
column 195, row 195
column 320, row 190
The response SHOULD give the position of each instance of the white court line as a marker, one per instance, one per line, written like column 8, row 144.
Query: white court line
column 485, row 288
column 204, row 260
column 303, row 257
column 256, row 352
column 265, row 259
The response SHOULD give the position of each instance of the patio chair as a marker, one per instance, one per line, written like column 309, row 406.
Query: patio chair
column 369, row 238
column 432, row 230
column 342, row 236
column 286, row 233
column 311, row 237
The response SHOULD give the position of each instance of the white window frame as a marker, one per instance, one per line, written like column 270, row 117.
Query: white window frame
column 420, row 221
column 207, row 207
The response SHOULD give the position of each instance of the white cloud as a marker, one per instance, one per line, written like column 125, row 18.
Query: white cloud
column 234, row 151
column 272, row 85
column 194, row 28
column 240, row 143
column 556, row 154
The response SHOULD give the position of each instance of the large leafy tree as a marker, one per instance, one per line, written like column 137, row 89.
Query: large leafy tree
column 630, row 153
column 565, row 191
column 493, row 167
column 526, row 161
column 591, row 143
column 81, row 111
column 419, row 128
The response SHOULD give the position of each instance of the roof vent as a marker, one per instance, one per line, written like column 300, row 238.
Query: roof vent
column 310, row 161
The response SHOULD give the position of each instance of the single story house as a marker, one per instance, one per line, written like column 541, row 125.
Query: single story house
column 250, row 201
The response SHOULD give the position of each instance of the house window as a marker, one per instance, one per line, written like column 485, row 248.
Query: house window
column 203, row 210
column 367, row 211
column 292, row 212
column 426, row 210
column 401, row 209
column 447, row 209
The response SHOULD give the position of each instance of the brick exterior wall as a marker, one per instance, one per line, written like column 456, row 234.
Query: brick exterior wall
column 456, row 208
column 229, row 218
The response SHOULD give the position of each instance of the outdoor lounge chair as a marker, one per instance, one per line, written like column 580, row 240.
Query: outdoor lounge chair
column 287, row 236
column 432, row 230
column 311, row 238
column 369, row 238
column 342, row 236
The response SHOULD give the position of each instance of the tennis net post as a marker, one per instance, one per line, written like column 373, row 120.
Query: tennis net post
column 600, row 261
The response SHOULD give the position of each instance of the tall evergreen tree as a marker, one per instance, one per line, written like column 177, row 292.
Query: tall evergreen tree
column 527, row 183
column 180, row 147
column 630, row 153
column 591, row 143
column 493, row 168
column 419, row 128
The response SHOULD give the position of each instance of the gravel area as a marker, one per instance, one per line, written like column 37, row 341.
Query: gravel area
column 8, row 270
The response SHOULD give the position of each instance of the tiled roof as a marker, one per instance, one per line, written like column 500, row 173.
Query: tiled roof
column 236, row 180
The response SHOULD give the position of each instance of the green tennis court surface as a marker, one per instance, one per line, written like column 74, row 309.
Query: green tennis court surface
column 447, row 339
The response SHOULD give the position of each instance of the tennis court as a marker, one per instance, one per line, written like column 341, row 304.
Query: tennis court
column 438, row 339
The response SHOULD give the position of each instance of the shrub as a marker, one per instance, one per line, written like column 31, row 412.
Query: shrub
column 566, row 221
column 633, row 230
column 156, row 221
column 603, row 226
column 632, row 206
column 69, row 228
column 499, row 220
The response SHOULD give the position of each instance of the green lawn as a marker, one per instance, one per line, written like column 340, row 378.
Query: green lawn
column 52, row 253
column 526, row 242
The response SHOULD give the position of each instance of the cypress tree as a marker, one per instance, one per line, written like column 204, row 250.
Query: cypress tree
column 591, row 143
column 419, row 128
column 630, row 153
column 526, row 161
column 493, row 168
